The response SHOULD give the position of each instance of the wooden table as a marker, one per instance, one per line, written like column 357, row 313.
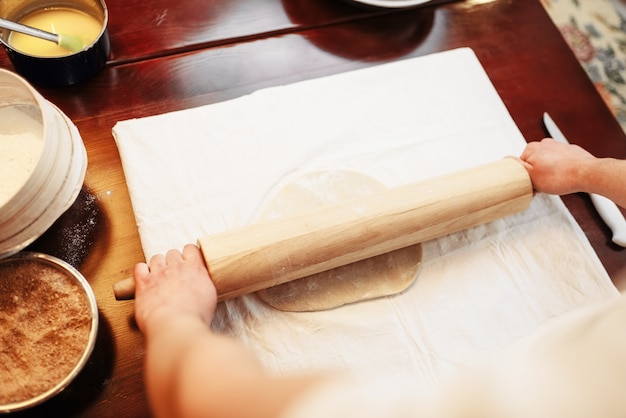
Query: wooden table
column 169, row 55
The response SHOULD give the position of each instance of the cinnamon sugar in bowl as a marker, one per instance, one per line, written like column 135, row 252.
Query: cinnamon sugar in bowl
column 48, row 328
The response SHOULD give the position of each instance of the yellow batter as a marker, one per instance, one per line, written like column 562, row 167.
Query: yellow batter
column 56, row 20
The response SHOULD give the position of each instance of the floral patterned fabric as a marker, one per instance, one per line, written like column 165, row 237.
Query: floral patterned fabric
column 595, row 30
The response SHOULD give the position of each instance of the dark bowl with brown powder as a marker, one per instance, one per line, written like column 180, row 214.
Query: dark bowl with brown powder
column 48, row 328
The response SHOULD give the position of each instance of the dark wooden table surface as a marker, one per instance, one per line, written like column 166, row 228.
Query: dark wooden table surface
column 169, row 55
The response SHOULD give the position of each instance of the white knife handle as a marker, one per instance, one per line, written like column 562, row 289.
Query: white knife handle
column 612, row 216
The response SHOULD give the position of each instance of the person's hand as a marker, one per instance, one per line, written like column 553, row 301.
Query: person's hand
column 554, row 167
column 173, row 284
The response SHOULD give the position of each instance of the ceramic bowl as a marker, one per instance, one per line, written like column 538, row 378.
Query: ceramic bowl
column 34, row 192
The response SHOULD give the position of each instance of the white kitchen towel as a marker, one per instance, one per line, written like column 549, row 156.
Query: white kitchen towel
column 204, row 170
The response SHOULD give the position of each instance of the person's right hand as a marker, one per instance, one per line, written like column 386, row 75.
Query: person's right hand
column 554, row 167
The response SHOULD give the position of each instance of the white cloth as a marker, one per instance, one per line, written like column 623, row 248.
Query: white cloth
column 572, row 366
column 204, row 170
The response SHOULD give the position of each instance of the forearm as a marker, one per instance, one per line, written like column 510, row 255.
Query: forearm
column 191, row 371
column 606, row 177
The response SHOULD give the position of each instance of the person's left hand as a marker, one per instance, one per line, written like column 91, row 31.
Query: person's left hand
column 173, row 284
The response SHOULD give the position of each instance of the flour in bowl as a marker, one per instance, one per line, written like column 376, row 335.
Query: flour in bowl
column 21, row 144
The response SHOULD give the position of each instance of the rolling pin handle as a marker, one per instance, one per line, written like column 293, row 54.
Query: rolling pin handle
column 124, row 289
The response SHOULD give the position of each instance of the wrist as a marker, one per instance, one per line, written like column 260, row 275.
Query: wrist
column 168, row 320
column 586, row 175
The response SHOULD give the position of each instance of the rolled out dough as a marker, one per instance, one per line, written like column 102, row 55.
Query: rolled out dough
column 378, row 276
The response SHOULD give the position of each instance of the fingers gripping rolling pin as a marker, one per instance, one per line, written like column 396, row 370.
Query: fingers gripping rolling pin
column 263, row 255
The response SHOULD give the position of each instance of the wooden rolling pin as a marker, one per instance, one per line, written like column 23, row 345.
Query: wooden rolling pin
column 262, row 255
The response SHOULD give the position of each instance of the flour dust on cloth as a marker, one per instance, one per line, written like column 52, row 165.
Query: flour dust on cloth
column 205, row 170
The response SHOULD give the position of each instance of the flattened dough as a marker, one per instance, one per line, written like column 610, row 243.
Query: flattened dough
column 378, row 276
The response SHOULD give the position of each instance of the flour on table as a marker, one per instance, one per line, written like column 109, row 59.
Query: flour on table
column 378, row 276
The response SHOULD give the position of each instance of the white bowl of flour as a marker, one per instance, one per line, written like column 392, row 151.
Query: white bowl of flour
column 42, row 163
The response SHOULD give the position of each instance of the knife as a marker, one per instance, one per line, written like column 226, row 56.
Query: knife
column 609, row 212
